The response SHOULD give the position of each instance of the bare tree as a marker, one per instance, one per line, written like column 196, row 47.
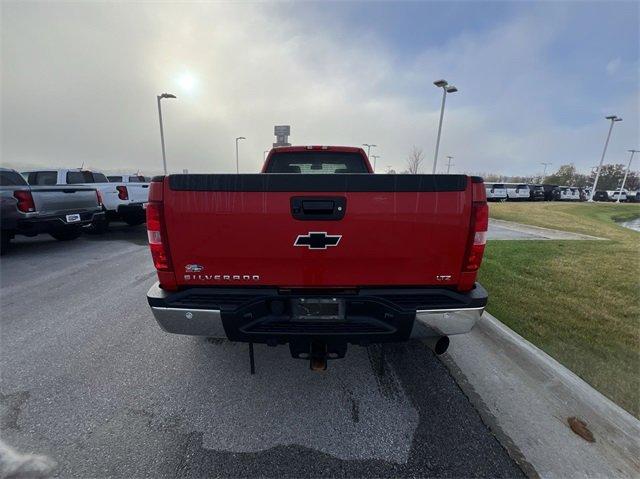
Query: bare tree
column 416, row 157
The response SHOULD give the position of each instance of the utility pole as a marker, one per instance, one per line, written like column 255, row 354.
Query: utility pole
column 369, row 148
column 449, row 165
column 633, row 152
column 446, row 88
column 544, row 174
column 375, row 159
column 613, row 119
column 237, row 160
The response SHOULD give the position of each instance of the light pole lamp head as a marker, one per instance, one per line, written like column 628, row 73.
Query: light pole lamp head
column 167, row 95
column 451, row 89
column 613, row 118
column 440, row 83
column 240, row 138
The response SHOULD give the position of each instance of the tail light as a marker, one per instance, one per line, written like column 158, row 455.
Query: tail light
column 155, row 228
column 123, row 194
column 157, row 235
column 477, row 236
column 25, row 201
column 99, row 195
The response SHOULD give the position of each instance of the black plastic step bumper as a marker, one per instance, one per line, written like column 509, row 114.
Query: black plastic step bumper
column 268, row 315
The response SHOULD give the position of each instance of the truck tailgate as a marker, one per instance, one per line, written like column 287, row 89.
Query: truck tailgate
column 50, row 200
column 241, row 230
column 138, row 192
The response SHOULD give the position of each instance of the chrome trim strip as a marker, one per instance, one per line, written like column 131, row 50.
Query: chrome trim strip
column 445, row 322
column 453, row 310
column 193, row 322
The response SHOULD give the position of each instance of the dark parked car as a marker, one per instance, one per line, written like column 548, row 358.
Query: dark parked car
column 536, row 193
column 600, row 195
column 549, row 192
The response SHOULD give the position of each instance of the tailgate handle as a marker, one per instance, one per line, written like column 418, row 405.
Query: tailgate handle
column 318, row 207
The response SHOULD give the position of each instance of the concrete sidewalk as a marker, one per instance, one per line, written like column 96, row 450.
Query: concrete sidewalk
column 527, row 397
column 508, row 230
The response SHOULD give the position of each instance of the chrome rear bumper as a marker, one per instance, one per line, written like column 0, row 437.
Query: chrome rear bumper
column 200, row 321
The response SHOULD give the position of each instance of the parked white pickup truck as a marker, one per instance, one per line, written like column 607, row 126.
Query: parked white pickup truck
column 122, row 201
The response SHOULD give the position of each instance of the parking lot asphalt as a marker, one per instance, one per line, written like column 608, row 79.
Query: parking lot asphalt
column 89, row 379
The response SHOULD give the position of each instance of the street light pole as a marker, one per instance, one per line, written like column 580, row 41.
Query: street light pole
column 237, row 158
column 369, row 148
column 375, row 160
column 624, row 180
column 164, row 155
column 613, row 119
column 449, row 165
column 544, row 174
column 446, row 88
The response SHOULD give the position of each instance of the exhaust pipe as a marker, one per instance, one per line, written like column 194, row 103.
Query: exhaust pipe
column 438, row 344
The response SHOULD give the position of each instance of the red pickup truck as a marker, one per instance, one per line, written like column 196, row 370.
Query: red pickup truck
column 317, row 252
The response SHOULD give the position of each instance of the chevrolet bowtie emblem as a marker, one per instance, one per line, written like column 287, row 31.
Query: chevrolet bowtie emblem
column 317, row 240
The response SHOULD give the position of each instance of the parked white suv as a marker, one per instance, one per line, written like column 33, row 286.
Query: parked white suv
column 569, row 193
column 122, row 201
column 613, row 195
column 518, row 191
column 495, row 191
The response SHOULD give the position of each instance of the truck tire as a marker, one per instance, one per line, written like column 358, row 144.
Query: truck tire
column 67, row 234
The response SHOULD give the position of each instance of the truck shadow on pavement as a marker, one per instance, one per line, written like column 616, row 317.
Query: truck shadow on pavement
column 358, row 419
column 42, row 244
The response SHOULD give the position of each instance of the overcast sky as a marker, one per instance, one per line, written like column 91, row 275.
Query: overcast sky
column 79, row 82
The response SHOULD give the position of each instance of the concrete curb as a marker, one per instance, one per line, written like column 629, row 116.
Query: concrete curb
column 545, row 233
column 529, row 396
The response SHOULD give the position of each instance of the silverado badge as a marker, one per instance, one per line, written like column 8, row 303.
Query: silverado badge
column 317, row 240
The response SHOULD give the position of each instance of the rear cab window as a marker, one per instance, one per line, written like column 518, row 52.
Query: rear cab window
column 42, row 178
column 11, row 178
column 316, row 162
column 78, row 177
column 136, row 179
column 114, row 179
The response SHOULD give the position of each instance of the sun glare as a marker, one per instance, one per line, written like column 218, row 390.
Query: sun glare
column 187, row 82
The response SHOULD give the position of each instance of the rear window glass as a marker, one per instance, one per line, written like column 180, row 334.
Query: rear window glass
column 11, row 178
column 498, row 186
column 114, row 179
column 522, row 186
column 136, row 179
column 43, row 178
column 316, row 162
column 76, row 177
